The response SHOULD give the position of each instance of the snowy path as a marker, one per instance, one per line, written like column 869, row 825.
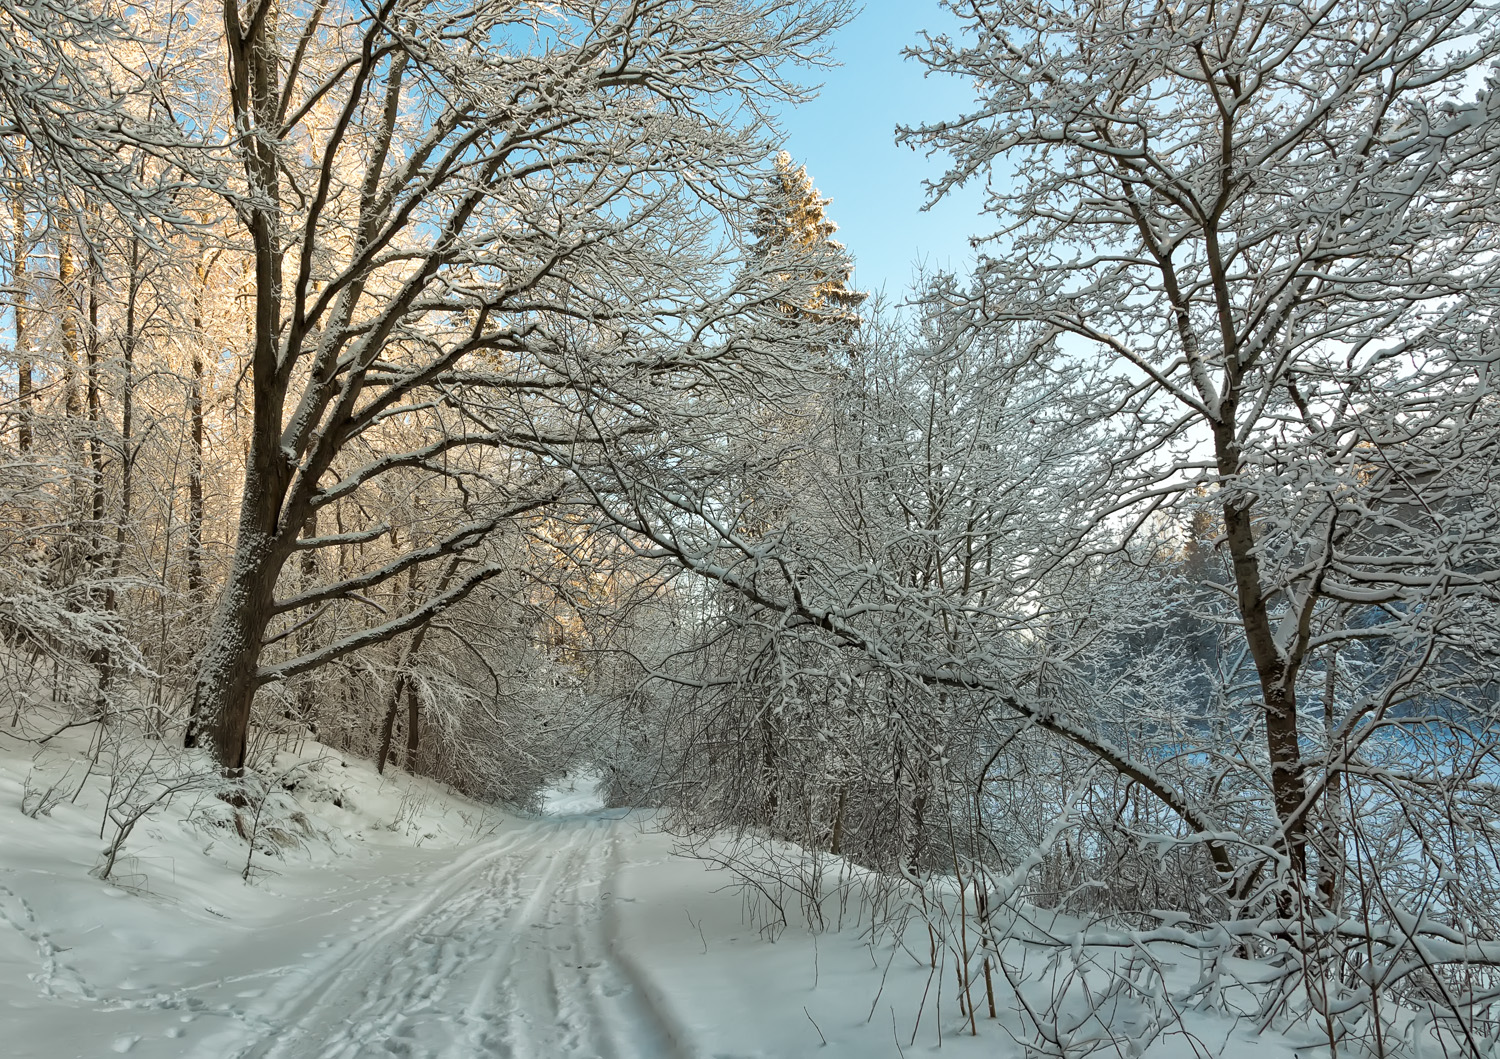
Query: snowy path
column 570, row 937
column 509, row 953
column 419, row 925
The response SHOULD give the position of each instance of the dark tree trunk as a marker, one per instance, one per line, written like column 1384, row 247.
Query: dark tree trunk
column 412, row 726
column 195, row 582
column 836, row 841
column 403, row 681
column 388, row 726
column 102, row 658
column 307, row 637
column 228, row 666
column 127, row 403
column 93, row 403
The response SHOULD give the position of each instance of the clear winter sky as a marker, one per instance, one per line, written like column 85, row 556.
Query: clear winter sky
column 845, row 138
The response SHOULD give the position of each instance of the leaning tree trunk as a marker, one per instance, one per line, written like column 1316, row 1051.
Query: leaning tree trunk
column 1276, row 672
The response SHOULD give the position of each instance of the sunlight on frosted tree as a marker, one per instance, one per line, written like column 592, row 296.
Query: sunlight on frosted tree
column 793, row 235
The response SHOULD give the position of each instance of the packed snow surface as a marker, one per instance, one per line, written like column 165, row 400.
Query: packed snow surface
column 574, row 794
column 409, row 921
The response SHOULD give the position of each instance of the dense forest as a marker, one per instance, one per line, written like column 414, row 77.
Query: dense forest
column 478, row 387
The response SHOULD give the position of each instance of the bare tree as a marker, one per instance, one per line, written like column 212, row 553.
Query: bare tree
column 1276, row 221
column 469, row 224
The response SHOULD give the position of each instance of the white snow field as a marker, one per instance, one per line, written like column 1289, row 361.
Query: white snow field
column 411, row 922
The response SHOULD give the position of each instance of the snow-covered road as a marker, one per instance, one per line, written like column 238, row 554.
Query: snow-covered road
column 579, row 936
column 415, row 923
column 506, row 947
column 510, row 952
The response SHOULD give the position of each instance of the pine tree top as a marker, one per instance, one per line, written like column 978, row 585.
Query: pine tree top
column 794, row 212
column 793, row 218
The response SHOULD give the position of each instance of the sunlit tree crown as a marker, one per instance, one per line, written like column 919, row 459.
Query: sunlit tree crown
column 793, row 233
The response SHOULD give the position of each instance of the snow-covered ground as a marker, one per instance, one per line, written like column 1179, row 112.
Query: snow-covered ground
column 574, row 795
column 409, row 921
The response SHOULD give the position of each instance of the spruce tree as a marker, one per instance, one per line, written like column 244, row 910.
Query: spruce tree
column 793, row 235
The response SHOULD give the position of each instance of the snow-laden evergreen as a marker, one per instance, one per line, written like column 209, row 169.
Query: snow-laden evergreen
column 1094, row 652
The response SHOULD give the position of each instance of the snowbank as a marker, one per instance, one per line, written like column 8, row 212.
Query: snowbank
column 134, row 960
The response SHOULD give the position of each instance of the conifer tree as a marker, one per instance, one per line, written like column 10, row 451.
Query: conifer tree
column 793, row 234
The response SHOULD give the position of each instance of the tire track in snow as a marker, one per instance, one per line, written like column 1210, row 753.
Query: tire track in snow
column 508, row 955
column 566, row 992
column 272, row 1022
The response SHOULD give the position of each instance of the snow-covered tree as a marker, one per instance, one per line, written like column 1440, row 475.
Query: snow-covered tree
column 482, row 236
column 1276, row 221
column 1192, row 560
column 793, row 234
column 876, row 583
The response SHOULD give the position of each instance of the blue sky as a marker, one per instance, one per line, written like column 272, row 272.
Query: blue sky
column 845, row 138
